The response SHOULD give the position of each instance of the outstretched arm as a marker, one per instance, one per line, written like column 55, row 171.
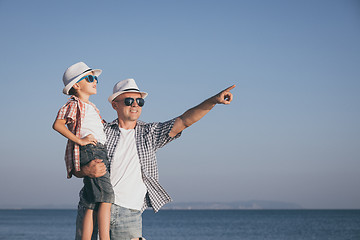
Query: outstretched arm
column 194, row 114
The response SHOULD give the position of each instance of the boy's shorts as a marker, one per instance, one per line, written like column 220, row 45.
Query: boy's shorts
column 95, row 190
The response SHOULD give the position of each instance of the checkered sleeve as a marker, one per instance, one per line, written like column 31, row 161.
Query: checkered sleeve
column 161, row 132
column 68, row 112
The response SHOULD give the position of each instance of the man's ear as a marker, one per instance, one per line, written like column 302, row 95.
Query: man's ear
column 113, row 104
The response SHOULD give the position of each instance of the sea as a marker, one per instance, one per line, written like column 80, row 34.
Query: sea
column 30, row 224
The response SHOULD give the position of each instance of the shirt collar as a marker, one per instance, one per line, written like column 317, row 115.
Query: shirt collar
column 75, row 98
column 138, row 123
column 115, row 122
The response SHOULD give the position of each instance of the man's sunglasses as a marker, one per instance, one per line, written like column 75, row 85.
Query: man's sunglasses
column 89, row 78
column 129, row 101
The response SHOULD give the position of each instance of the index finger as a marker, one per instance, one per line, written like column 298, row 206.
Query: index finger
column 229, row 88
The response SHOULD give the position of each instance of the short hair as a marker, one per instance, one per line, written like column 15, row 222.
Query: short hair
column 72, row 91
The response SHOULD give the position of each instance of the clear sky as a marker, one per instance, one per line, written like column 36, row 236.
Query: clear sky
column 291, row 133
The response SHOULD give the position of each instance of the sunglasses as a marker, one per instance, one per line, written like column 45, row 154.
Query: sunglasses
column 129, row 101
column 89, row 78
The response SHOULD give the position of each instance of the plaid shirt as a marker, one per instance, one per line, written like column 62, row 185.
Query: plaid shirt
column 73, row 112
column 149, row 138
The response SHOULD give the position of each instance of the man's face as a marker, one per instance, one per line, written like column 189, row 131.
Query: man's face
column 127, row 113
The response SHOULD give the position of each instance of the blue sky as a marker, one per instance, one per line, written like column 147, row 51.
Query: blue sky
column 291, row 133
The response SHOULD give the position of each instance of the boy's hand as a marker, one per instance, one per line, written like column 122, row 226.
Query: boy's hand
column 89, row 139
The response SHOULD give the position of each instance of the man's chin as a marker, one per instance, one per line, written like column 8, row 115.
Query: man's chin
column 134, row 118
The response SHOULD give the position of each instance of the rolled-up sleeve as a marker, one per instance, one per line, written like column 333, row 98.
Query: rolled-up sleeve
column 68, row 112
column 161, row 132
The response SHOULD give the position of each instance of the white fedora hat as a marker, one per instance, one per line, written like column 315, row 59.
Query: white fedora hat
column 74, row 73
column 125, row 86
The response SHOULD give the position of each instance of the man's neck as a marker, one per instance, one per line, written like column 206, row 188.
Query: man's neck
column 126, row 124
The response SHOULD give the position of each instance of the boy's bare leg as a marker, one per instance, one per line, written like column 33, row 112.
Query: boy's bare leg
column 104, row 214
column 87, row 225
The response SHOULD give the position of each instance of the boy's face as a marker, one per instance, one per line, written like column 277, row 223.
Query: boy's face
column 88, row 88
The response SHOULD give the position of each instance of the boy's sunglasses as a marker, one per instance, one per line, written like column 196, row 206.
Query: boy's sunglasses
column 129, row 101
column 89, row 78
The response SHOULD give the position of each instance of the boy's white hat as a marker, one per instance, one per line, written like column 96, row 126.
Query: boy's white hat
column 125, row 86
column 74, row 73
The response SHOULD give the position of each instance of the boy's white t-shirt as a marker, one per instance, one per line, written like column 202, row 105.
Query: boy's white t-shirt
column 127, row 181
column 92, row 124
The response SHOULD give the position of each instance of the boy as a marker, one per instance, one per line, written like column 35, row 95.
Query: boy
column 86, row 142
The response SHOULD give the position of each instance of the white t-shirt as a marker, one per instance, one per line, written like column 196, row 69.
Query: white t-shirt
column 125, row 172
column 92, row 124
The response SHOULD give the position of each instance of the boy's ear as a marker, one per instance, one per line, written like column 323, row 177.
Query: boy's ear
column 76, row 86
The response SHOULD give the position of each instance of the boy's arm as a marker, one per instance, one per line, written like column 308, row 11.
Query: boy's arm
column 59, row 126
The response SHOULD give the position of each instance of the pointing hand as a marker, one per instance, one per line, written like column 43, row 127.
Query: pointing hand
column 225, row 96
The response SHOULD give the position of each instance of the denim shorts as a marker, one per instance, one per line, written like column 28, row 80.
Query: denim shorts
column 95, row 190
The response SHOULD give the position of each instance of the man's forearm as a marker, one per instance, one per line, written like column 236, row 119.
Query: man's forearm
column 194, row 114
column 191, row 116
column 78, row 174
column 94, row 169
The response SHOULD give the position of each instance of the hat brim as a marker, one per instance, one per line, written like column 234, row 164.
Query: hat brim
column 113, row 96
column 67, row 88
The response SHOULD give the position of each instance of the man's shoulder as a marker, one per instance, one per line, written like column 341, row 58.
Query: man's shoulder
column 142, row 124
column 110, row 124
column 114, row 123
column 139, row 124
column 155, row 126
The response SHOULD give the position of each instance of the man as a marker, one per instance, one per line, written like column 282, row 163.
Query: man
column 132, row 146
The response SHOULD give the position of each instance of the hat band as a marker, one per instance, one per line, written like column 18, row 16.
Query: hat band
column 131, row 89
column 86, row 71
